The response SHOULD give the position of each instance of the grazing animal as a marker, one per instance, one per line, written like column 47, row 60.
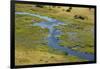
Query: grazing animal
column 40, row 6
column 82, row 18
column 79, row 17
column 68, row 10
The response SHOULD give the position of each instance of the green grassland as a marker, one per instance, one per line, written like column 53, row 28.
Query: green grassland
column 30, row 46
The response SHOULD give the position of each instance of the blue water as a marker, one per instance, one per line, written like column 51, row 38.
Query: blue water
column 53, row 41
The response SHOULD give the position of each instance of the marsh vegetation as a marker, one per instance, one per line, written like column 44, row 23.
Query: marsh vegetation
column 31, row 42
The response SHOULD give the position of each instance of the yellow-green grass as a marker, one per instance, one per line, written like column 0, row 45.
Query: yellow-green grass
column 32, row 49
column 27, row 56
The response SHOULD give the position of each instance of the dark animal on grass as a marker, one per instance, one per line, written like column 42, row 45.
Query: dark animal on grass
column 40, row 6
column 69, row 9
column 52, row 56
column 79, row 17
column 41, row 60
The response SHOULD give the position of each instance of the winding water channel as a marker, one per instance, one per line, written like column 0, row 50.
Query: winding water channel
column 53, row 41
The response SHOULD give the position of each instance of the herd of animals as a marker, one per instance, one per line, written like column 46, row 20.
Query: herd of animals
column 69, row 10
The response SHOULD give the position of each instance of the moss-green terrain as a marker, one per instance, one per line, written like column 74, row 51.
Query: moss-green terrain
column 30, row 44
